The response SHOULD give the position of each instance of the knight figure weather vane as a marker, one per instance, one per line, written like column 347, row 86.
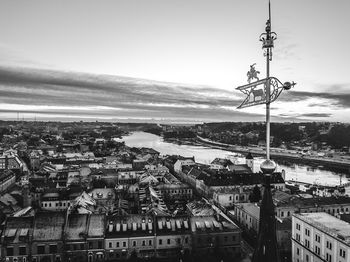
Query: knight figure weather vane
column 267, row 90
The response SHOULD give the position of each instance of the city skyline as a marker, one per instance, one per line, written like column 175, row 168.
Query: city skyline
column 87, row 60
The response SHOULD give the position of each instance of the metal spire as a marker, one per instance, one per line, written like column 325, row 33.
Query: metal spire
column 265, row 91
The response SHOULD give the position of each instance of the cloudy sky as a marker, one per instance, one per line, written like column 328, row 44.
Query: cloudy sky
column 170, row 60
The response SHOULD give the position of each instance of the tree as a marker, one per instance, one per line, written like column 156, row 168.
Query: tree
column 255, row 196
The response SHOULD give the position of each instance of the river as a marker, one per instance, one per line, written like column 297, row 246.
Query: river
column 298, row 172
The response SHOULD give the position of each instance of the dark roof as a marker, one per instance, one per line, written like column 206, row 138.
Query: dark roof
column 222, row 161
column 249, row 156
column 48, row 226
column 4, row 174
column 300, row 202
column 76, row 228
column 241, row 169
column 226, row 178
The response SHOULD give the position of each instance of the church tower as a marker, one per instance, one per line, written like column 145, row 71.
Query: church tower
column 267, row 247
column 249, row 160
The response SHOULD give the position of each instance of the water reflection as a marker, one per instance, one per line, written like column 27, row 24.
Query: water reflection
column 294, row 171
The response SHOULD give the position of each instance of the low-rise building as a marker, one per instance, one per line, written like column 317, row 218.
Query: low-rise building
column 75, row 233
column 173, row 237
column 95, row 237
column 7, row 180
column 227, row 197
column 16, row 239
column 127, row 235
column 320, row 237
column 214, row 237
column 47, row 244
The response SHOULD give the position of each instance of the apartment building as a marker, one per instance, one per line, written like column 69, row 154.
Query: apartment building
column 320, row 237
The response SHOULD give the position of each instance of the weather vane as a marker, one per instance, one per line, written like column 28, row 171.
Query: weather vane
column 266, row 90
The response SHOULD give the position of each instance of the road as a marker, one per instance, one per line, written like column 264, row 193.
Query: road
column 282, row 153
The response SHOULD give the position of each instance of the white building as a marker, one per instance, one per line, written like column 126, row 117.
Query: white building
column 320, row 237
column 183, row 162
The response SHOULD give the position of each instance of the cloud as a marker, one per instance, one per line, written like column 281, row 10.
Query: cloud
column 322, row 115
column 335, row 99
column 37, row 91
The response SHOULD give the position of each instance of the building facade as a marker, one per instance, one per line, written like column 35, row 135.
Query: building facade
column 320, row 237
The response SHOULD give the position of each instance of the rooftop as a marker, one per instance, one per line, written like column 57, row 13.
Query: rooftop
column 96, row 225
column 48, row 226
column 327, row 223
column 251, row 208
column 76, row 227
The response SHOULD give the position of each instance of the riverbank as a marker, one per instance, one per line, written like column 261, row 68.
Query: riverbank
column 341, row 164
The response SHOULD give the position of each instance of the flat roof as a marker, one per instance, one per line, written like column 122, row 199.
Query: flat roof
column 327, row 223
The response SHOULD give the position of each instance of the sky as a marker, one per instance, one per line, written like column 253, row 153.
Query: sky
column 162, row 60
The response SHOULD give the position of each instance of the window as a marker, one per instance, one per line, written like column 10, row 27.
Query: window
column 134, row 243
column 22, row 251
column 168, row 241
column 317, row 250
column 282, row 213
column 186, row 240
column 297, row 237
column 178, row 241
column 342, row 253
column 110, row 244
column 143, row 242
column 117, row 244
column 150, row 242
column 298, row 251
column 53, row 249
column 160, row 241
column 317, row 238
column 90, row 245
column 307, row 232
column 9, row 251
column 307, row 258
column 99, row 244
column 82, row 247
column 297, row 226
column 329, row 245
column 124, row 244
column 328, row 257
column 307, row 243
column 41, row 249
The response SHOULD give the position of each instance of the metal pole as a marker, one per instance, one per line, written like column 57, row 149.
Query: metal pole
column 268, row 105
column 268, row 36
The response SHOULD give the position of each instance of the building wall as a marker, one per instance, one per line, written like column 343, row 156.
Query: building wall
column 116, row 248
column 311, row 243
column 55, row 205
column 47, row 251
column 7, row 182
